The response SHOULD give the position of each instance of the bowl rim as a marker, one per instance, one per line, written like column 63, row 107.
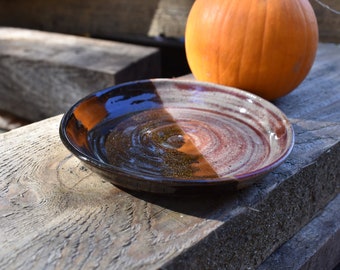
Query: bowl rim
column 174, row 181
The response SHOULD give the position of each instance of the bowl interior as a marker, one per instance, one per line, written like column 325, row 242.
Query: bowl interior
column 174, row 131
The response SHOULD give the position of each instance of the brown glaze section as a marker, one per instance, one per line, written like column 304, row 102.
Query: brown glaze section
column 169, row 136
column 154, row 141
column 201, row 168
column 77, row 134
column 90, row 112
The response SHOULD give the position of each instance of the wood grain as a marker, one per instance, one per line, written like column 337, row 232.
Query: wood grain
column 117, row 19
column 56, row 214
column 72, row 212
column 42, row 74
column 328, row 21
column 9, row 121
column 170, row 18
column 105, row 18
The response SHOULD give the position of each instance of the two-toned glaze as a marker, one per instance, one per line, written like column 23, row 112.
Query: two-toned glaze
column 174, row 136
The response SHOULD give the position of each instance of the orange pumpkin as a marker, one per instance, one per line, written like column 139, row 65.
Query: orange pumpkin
column 264, row 47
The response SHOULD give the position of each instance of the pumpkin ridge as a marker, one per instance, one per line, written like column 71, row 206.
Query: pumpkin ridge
column 242, row 48
column 302, row 73
column 264, row 34
column 285, row 59
column 292, row 65
column 302, row 63
column 220, row 73
column 213, row 58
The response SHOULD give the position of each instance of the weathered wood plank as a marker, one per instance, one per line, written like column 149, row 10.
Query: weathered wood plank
column 105, row 18
column 57, row 214
column 42, row 74
column 316, row 246
column 121, row 19
column 9, row 121
column 72, row 212
column 328, row 20
column 170, row 18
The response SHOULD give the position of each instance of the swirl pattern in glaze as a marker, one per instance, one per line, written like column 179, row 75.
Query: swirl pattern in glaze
column 165, row 134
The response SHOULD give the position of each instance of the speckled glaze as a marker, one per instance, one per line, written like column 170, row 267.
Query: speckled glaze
column 174, row 136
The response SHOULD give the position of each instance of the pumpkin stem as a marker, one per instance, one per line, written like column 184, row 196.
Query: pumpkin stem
column 327, row 7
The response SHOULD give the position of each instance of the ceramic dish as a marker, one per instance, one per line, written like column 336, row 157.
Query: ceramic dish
column 175, row 136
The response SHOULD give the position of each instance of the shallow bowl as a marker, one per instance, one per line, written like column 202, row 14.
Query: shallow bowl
column 175, row 136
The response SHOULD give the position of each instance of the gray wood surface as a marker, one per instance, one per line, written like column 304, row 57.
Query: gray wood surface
column 42, row 74
column 105, row 18
column 57, row 214
column 9, row 121
column 128, row 19
column 316, row 246
column 328, row 15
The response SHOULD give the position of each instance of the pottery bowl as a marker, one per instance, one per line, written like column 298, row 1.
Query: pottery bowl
column 175, row 136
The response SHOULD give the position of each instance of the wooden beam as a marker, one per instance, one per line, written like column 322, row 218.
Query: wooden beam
column 119, row 19
column 105, row 18
column 328, row 17
column 42, row 74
